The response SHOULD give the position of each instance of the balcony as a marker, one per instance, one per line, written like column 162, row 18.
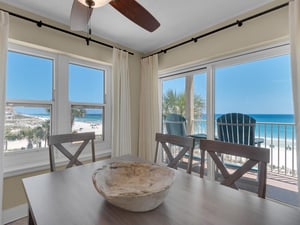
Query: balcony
column 282, row 177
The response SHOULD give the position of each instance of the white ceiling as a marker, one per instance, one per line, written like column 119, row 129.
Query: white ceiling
column 178, row 19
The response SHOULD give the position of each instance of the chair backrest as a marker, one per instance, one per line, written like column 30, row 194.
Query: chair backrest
column 59, row 139
column 236, row 128
column 184, row 143
column 175, row 124
column 254, row 155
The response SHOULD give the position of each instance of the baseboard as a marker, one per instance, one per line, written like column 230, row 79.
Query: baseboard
column 12, row 214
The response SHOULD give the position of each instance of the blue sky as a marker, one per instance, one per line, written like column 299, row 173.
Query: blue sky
column 259, row 87
column 30, row 78
column 84, row 83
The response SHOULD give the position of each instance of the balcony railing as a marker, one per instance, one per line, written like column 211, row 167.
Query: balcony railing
column 280, row 138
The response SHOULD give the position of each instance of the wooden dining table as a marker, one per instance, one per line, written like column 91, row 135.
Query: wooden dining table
column 68, row 197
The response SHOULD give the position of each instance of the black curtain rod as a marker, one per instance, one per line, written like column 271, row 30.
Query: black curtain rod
column 40, row 24
column 239, row 23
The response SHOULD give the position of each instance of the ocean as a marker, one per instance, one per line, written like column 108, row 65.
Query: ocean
column 268, row 125
column 278, row 118
column 90, row 118
column 278, row 126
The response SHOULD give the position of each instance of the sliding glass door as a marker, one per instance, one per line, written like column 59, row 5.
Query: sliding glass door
column 256, row 85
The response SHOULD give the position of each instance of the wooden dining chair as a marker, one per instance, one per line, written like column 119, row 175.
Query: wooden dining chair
column 58, row 140
column 254, row 155
column 184, row 143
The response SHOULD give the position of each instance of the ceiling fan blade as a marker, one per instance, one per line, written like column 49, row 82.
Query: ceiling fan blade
column 80, row 16
column 136, row 13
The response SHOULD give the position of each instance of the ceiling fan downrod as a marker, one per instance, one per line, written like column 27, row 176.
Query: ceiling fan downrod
column 90, row 3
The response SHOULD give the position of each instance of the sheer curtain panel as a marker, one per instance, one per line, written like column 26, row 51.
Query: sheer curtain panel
column 294, row 14
column 149, row 108
column 4, row 29
column 121, row 137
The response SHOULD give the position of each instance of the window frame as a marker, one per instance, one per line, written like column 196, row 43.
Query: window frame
column 30, row 160
column 267, row 51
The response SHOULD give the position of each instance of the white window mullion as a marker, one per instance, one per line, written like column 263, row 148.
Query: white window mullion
column 210, row 117
column 62, row 109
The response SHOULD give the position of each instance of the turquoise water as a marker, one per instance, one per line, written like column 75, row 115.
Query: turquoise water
column 274, row 118
column 276, row 125
column 278, row 118
column 90, row 118
column 269, row 130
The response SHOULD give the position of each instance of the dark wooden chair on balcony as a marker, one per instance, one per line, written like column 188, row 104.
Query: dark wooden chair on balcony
column 254, row 155
column 176, row 125
column 237, row 128
column 184, row 143
column 57, row 141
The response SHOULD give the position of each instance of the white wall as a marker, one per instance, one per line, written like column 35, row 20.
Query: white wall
column 264, row 30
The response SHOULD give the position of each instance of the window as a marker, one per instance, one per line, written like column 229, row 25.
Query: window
column 255, row 83
column 49, row 93
column 86, row 93
column 262, row 88
column 185, row 94
column 29, row 101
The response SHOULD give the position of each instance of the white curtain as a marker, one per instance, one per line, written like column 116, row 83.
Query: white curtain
column 4, row 29
column 121, row 138
column 294, row 14
column 149, row 108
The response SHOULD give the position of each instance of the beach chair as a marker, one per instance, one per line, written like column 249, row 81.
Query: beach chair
column 236, row 128
column 58, row 140
column 176, row 125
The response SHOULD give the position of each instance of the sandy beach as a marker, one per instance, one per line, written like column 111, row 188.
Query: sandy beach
column 78, row 127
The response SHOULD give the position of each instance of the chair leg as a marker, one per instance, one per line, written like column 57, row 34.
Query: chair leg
column 51, row 156
column 156, row 152
column 190, row 162
column 202, row 161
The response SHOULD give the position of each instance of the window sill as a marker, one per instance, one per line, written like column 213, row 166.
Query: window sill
column 13, row 168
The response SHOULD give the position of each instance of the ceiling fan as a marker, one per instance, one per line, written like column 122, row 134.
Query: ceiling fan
column 82, row 11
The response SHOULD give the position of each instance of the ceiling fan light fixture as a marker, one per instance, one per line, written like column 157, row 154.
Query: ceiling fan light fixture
column 94, row 3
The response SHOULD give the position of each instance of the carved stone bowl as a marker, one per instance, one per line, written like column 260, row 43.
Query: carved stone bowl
column 134, row 186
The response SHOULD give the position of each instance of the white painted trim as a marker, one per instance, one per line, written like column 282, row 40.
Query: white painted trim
column 44, row 165
column 12, row 214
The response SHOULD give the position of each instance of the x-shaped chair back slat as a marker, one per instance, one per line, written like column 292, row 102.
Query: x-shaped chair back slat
column 185, row 143
column 254, row 155
column 58, row 140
